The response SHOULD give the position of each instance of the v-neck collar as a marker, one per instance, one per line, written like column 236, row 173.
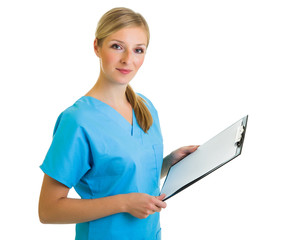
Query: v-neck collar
column 111, row 112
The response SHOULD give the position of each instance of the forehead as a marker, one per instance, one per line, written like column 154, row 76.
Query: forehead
column 129, row 35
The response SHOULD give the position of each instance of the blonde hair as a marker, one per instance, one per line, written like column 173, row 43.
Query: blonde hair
column 112, row 21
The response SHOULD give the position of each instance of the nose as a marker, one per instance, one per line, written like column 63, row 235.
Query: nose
column 126, row 57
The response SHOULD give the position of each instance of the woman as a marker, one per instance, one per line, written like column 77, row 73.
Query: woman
column 108, row 145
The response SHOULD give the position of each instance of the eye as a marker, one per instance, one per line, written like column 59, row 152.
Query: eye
column 116, row 46
column 139, row 50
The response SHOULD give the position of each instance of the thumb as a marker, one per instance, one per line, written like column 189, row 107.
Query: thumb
column 161, row 197
column 192, row 148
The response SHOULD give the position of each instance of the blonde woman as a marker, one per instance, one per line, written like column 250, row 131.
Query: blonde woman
column 108, row 145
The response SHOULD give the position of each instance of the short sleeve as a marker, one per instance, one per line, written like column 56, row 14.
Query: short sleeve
column 68, row 157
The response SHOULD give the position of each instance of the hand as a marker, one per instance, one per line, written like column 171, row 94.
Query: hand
column 142, row 205
column 181, row 153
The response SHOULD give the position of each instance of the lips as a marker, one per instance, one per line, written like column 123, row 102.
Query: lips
column 123, row 71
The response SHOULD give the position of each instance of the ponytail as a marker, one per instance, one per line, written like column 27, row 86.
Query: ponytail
column 142, row 113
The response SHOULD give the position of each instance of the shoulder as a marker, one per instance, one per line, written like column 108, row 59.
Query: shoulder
column 73, row 116
column 75, row 112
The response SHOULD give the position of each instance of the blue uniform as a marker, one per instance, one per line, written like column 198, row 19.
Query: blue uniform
column 99, row 153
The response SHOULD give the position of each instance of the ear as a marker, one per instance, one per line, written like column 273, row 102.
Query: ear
column 97, row 49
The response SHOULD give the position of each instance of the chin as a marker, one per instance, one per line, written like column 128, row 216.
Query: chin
column 123, row 81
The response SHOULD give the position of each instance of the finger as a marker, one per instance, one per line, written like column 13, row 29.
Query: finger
column 159, row 203
column 156, row 209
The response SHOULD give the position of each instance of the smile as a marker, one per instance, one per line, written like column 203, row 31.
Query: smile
column 123, row 71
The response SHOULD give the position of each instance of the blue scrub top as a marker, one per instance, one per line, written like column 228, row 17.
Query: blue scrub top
column 99, row 153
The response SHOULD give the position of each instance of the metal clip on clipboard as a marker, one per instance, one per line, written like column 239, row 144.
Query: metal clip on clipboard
column 240, row 136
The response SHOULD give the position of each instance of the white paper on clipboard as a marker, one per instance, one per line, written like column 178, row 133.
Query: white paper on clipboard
column 207, row 158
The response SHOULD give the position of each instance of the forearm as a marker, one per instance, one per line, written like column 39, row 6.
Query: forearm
column 175, row 157
column 167, row 162
column 67, row 210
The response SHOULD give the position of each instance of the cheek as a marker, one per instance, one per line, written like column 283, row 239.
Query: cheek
column 108, row 59
column 139, row 61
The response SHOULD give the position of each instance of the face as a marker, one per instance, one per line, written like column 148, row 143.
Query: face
column 122, row 54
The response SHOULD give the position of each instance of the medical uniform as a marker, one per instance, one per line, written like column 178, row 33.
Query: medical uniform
column 99, row 153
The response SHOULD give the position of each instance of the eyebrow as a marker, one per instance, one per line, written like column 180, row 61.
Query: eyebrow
column 139, row 44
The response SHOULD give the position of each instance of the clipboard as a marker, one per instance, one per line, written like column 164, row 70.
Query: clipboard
column 210, row 156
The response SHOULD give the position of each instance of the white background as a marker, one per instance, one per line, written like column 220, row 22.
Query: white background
column 209, row 64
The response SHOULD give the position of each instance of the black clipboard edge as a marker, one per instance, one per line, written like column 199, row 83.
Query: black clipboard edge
column 245, row 121
column 199, row 178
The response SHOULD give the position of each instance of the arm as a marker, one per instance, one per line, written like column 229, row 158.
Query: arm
column 56, row 207
column 167, row 163
column 175, row 157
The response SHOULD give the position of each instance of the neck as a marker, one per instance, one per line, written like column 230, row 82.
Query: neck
column 108, row 92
